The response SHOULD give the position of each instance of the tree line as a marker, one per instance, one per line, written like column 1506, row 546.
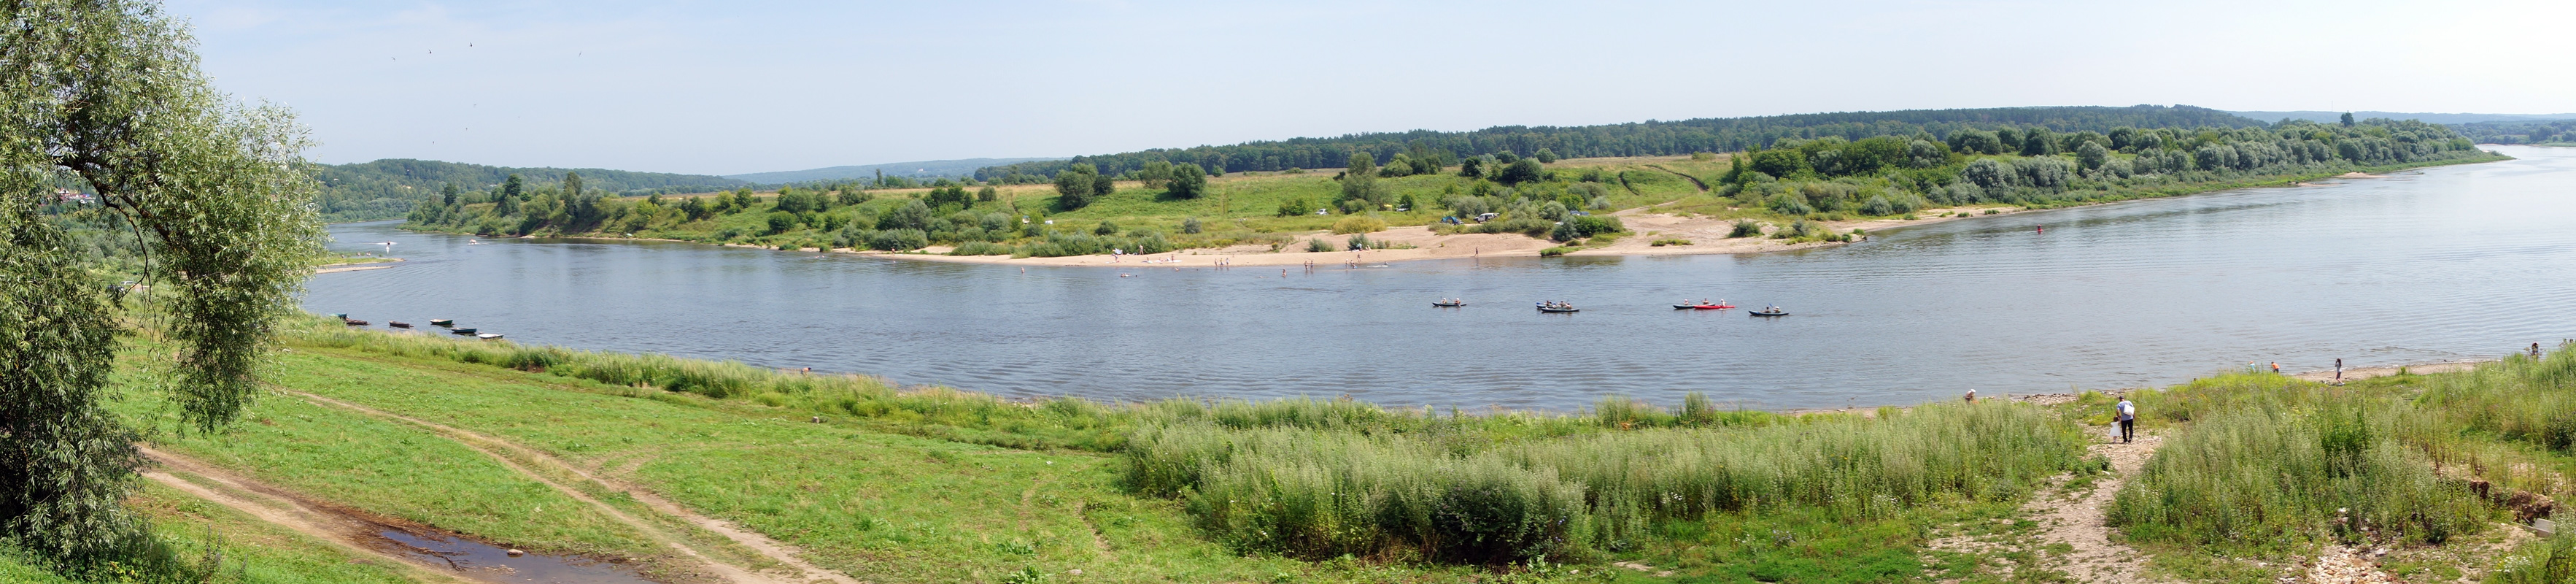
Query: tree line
column 1650, row 138
column 388, row 188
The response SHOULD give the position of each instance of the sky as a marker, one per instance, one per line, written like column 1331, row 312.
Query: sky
column 749, row 86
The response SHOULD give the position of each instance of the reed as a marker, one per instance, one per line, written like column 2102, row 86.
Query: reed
column 2270, row 475
column 1322, row 492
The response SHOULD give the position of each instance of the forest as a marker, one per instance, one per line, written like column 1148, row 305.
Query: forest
column 1650, row 138
column 2547, row 132
column 387, row 189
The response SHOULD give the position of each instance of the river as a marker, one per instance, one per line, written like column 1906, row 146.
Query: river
column 2432, row 264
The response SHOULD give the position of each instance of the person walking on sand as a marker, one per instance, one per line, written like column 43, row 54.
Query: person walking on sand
column 2128, row 417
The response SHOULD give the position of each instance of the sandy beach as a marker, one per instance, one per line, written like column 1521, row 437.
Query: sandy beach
column 334, row 268
column 1707, row 236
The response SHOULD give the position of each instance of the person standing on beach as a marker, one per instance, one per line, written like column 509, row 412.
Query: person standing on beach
column 2128, row 417
column 2338, row 371
column 2276, row 367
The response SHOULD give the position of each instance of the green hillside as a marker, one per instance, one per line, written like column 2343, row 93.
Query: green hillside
column 1649, row 138
column 386, row 189
column 924, row 170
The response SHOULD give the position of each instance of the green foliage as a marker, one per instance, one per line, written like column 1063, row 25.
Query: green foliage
column 1105, row 228
column 1191, row 226
column 1317, row 245
column 1188, row 181
column 1322, row 492
column 1522, row 171
column 109, row 94
column 1074, row 186
column 2550, row 560
column 1358, row 224
column 1659, row 138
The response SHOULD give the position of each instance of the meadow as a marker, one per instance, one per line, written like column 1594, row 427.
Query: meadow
column 895, row 484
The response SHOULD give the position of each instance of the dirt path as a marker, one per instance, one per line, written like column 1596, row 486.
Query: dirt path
column 276, row 507
column 2076, row 520
column 517, row 458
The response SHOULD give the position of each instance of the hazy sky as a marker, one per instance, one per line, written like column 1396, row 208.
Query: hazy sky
column 748, row 86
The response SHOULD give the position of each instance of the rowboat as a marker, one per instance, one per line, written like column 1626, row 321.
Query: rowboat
column 488, row 336
column 1448, row 304
column 397, row 324
column 462, row 331
column 1558, row 310
column 353, row 322
column 442, row 322
column 1771, row 312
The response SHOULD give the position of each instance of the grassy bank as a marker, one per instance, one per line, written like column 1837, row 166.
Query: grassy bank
column 935, row 485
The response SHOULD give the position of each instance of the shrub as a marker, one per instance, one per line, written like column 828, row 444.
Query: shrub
column 1358, row 224
column 781, row 221
column 1105, row 228
column 2547, row 561
column 898, row 240
column 1318, row 245
column 1745, row 228
column 1670, row 241
column 1557, row 251
column 1295, row 207
column 1358, row 242
column 1190, row 226
column 980, row 248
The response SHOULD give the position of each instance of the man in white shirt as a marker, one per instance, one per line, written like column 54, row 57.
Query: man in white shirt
column 2128, row 417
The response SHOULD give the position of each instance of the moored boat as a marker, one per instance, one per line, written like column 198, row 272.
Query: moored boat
column 462, row 331
column 442, row 322
column 353, row 322
column 397, row 324
column 488, row 336
column 1449, row 304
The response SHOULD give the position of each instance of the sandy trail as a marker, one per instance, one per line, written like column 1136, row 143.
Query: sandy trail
column 2078, row 521
column 517, row 457
column 276, row 507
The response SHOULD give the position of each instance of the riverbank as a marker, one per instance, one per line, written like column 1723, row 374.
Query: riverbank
column 354, row 266
column 847, row 479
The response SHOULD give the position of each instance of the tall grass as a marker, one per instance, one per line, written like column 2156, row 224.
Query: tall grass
column 2271, row 476
column 2520, row 398
column 2547, row 561
column 1326, row 492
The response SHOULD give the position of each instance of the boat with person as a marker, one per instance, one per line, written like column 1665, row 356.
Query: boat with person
column 1704, row 305
column 1770, row 311
column 1557, row 307
column 1451, row 303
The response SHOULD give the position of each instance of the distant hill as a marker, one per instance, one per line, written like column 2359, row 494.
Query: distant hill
column 923, row 170
column 1650, row 138
column 2429, row 118
column 386, row 189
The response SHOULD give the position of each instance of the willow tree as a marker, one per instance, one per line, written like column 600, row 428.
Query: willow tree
column 107, row 94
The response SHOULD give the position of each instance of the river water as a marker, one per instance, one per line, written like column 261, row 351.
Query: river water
column 2434, row 264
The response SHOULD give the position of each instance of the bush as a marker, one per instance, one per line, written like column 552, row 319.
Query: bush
column 1585, row 226
column 1358, row 242
column 1670, row 241
column 1745, row 228
column 780, row 222
column 1318, row 245
column 1358, row 224
column 1295, row 207
column 1105, row 228
column 1557, row 251
column 981, row 248
column 898, row 240
column 1190, row 226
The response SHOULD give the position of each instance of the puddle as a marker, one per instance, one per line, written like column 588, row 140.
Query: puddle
column 481, row 561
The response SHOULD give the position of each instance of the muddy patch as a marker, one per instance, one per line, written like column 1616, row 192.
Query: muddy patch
column 490, row 563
